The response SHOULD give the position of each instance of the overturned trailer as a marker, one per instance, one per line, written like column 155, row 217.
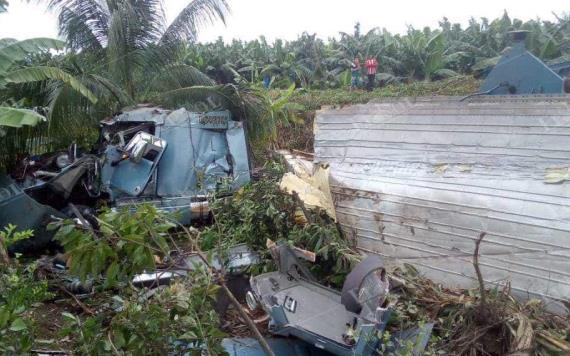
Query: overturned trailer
column 418, row 180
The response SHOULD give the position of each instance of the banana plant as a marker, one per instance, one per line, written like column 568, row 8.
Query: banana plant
column 281, row 111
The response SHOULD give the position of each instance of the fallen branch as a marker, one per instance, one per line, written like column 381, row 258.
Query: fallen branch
column 553, row 344
column 49, row 352
column 264, row 345
column 247, row 320
column 85, row 308
column 477, row 269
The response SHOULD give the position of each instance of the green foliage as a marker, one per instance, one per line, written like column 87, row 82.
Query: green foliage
column 125, row 243
column 19, row 291
column 12, row 52
column 405, row 348
column 39, row 73
column 315, row 99
column 14, row 117
column 419, row 54
column 281, row 107
column 9, row 235
column 175, row 320
column 23, row 100
column 261, row 211
column 279, row 111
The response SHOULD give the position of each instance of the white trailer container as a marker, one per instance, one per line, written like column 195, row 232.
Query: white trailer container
column 418, row 181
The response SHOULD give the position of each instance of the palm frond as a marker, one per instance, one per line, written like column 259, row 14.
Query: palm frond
column 176, row 76
column 7, row 41
column 118, row 93
column 84, row 25
column 194, row 16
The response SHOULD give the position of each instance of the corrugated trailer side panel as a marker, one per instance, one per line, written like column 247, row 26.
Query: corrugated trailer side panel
column 418, row 180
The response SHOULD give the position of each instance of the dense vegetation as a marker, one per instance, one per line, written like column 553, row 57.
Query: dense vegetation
column 419, row 54
column 118, row 53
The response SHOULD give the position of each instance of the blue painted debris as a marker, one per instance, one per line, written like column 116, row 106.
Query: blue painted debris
column 280, row 346
column 520, row 72
column 349, row 323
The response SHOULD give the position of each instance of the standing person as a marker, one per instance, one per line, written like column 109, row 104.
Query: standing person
column 266, row 81
column 355, row 72
column 371, row 68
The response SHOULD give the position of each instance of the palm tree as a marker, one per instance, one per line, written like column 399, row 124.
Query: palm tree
column 128, row 54
column 121, row 52
column 130, row 39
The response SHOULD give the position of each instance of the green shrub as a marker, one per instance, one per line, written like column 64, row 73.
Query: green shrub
column 174, row 320
column 19, row 291
column 261, row 211
column 124, row 244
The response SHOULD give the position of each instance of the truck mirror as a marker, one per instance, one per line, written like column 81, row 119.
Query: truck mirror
column 137, row 152
column 138, row 146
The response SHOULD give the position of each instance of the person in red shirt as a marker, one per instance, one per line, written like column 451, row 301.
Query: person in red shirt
column 371, row 68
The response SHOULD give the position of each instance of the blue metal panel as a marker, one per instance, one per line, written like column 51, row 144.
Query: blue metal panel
column 176, row 169
column 18, row 208
column 203, row 142
column 153, row 114
column 206, row 152
column 111, row 154
column 520, row 72
column 238, row 150
column 127, row 177
column 131, row 178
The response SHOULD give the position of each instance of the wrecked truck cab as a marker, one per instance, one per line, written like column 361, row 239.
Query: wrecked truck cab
column 171, row 159
column 349, row 323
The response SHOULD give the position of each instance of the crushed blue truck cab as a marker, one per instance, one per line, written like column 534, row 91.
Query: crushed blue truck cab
column 172, row 159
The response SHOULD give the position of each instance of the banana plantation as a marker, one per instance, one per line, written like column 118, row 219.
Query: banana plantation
column 421, row 54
